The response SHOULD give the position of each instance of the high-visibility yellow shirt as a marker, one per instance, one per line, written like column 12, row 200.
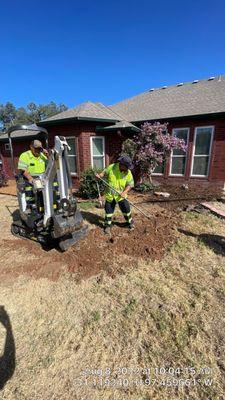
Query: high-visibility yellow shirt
column 34, row 165
column 118, row 180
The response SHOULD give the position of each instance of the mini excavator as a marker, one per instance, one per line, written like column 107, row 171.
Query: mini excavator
column 53, row 217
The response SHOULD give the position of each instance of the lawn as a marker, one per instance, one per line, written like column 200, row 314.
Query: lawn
column 153, row 330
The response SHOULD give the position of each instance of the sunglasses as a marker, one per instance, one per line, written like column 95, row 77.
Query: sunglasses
column 38, row 149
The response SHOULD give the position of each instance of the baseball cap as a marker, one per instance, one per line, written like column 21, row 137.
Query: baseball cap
column 37, row 144
column 125, row 160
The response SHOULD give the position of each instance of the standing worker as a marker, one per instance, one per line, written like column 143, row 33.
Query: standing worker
column 119, row 177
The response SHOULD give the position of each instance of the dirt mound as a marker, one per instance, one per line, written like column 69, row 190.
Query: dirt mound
column 179, row 196
column 97, row 252
column 148, row 240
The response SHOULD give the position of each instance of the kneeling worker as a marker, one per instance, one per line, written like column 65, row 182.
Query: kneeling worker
column 120, row 178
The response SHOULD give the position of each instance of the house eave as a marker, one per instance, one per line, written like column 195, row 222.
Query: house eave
column 113, row 129
column 22, row 138
column 191, row 116
column 75, row 119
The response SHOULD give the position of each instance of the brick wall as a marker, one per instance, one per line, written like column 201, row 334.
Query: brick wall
column 217, row 160
column 82, row 131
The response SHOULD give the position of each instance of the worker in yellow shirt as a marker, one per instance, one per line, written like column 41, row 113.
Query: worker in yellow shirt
column 33, row 162
column 119, row 177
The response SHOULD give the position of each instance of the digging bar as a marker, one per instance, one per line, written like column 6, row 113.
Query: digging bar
column 133, row 205
column 99, row 195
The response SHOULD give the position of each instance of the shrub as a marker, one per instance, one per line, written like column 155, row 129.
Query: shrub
column 144, row 187
column 88, row 184
column 152, row 146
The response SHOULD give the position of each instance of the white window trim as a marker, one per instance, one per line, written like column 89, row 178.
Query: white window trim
column 91, row 144
column 185, row 155
column 158, row 173
column 202, row 155
column 7, row 147
column 74, row 155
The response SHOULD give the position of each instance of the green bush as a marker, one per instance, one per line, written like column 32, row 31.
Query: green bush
column 144, row 187
column 88, row 184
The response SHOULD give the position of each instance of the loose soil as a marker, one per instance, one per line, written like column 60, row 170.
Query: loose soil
column 178, row 192
column 97, row 252
column 179, row 196
column 9, row 189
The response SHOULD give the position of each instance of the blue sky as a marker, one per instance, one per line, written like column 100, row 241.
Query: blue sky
column 70, row 51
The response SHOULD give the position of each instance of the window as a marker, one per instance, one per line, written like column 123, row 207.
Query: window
column 178, row 157
column 159, row 170
column 98, row 152
column 7, row 146
column 72, row 154
column 202, row 150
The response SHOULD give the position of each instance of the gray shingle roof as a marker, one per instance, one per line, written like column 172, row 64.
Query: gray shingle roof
column 87, row 110
column 121, row 125
column 189, row 99
column 203, row 97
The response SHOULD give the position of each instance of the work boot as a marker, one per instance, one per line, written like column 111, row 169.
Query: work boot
column 107, row 230
column 131, row 226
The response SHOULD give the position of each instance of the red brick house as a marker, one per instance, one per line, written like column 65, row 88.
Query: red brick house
column 195, row 111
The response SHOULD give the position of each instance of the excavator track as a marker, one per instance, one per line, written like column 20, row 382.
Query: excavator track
column 18, row 229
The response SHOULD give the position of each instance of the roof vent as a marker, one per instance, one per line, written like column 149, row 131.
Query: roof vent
column 180, row 84
column 211, row 78
column 164, row 87
column 195, row 81
column 151, row 90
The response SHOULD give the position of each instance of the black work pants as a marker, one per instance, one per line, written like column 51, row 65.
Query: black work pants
column 124, row 206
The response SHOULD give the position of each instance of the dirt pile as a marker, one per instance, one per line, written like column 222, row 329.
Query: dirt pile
column 97, row 252
column 179, row 198
column 149, row 240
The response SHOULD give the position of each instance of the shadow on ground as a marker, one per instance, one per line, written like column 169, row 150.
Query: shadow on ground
column 8, row 358
column 92, row 218
column 214, row 242
column 97, row 220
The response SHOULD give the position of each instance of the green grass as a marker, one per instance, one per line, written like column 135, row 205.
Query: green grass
column 86, row 205
column 130, row 307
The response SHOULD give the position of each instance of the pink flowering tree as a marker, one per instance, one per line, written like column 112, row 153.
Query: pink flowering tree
column 151, row 147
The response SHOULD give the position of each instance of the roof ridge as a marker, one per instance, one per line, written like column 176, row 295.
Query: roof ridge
column 214, row 78
column 217, row 77
column 87, row 109
column 93, row 103
column 114, row 112
column 80, row 105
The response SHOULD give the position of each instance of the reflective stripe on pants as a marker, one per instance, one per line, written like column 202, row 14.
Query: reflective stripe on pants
column 124, row 206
